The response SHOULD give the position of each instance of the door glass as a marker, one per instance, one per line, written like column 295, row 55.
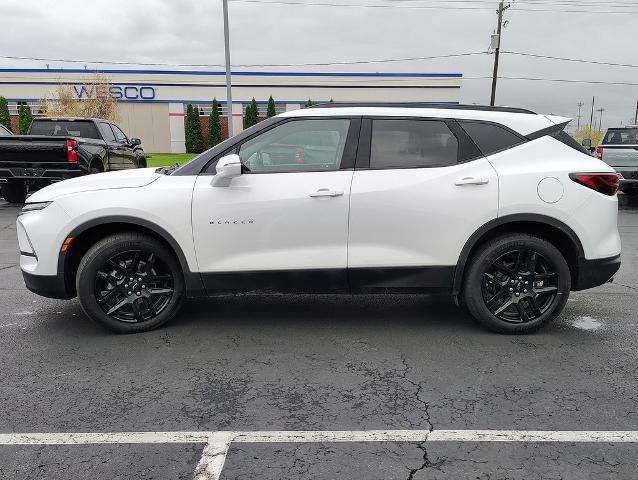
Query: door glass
column 299, row 145
column 119, row 134
column 491, row 138
column 107, row 133
column 412, row 144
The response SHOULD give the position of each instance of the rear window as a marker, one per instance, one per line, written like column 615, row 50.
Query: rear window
column 4, row 132
column 65, row 128
column 567, row 139
column 621, row 136
column 491, row 138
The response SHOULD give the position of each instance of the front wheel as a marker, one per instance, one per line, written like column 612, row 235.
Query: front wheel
column 130, row 282
column 516, row 284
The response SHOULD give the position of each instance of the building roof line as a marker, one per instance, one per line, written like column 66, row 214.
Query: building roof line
column 242, row 73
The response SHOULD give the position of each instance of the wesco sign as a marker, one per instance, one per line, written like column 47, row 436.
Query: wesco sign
column 118, row 92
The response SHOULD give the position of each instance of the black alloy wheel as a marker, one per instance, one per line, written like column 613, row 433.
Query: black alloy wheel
column 133, row 286
column 520, row 286
column 516, row 283
column 130, row 282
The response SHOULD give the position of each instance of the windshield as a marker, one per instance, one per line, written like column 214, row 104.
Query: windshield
column 4, row 132
column 65, row 128
column 621, row 136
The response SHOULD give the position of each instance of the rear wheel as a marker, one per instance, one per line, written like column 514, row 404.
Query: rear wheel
column 14, row 192
column 129, row 282
column 517, row 283
column 96, row 167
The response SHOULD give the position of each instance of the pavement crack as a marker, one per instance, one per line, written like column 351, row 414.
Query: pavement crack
column 419, row 389
column 427, row 463
column 623, row 285
column 8, row 266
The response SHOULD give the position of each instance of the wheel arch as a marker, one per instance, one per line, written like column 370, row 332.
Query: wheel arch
column 85, row 235
column 551, row 229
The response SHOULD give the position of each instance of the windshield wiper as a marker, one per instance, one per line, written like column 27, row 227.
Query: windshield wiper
column 167, row 170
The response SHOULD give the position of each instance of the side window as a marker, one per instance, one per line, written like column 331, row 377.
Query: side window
column 412, row 144
column 295, row 146
column 491, row 138
column 119, row 135
column 106, row 132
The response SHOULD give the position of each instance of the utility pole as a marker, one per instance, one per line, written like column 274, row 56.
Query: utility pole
column 636, row 116
column 229, row 94
column 501, row 8
column 600, row 121
column 580, row 105
column 591, row 119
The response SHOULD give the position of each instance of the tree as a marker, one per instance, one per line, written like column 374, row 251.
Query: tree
column 24, row 119
column 254, row 113
column 251, row 116
column 247, row 117
column 97, row 101
column 309, row 103
column 214, row 125
column 5, row 118
column 193, row 133
column 271, row 111
column 586, row 132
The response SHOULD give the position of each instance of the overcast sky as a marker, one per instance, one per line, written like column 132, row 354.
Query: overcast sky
column 187, row 31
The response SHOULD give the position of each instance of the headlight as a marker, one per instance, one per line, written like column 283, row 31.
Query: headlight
column 32, row 207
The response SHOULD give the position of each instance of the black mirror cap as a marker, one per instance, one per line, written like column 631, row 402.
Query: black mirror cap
column 587, row 143
column 135, row 142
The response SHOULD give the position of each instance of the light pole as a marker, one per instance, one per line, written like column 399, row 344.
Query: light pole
column 600, row 122
column 229, row 94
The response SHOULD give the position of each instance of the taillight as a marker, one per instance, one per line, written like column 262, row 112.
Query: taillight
column 72, row 151
column 605, row 183
column 599, row 153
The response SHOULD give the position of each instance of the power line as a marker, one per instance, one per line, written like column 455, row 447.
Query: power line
column 354, row 62
column 562, row 80
column 310, row 64
column 566, row 59
column 429, row 7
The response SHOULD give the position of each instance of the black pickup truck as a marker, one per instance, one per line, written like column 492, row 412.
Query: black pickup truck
column 59, row 148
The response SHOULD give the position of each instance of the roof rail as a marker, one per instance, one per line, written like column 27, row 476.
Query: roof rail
column 448, row 106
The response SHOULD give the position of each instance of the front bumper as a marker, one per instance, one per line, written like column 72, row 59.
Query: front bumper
column 592, row 273
column 51, row 286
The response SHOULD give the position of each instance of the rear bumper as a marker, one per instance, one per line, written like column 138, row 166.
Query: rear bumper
column 51, row 286
column 38, row 173
column 592, row 273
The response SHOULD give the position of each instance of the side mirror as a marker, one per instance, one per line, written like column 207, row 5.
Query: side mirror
column 135, row 142
column 587, row 143
column 228, row 167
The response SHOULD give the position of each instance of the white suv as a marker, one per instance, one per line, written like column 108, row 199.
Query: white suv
column 497, row 207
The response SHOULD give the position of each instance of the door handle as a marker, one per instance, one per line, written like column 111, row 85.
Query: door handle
column 471, row 181
column 326, row 192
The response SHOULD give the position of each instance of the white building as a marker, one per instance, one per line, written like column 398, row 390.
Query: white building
column 152, row 102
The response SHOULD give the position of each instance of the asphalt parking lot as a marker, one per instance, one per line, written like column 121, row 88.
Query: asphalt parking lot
column 320, row 364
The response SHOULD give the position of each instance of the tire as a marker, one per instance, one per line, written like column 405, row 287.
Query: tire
column 96, row 167
column 495, row 288
column 141, row 161
column 110, row 298
column 14, row 192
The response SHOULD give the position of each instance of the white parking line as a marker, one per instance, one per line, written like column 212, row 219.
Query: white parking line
column 217, row 443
